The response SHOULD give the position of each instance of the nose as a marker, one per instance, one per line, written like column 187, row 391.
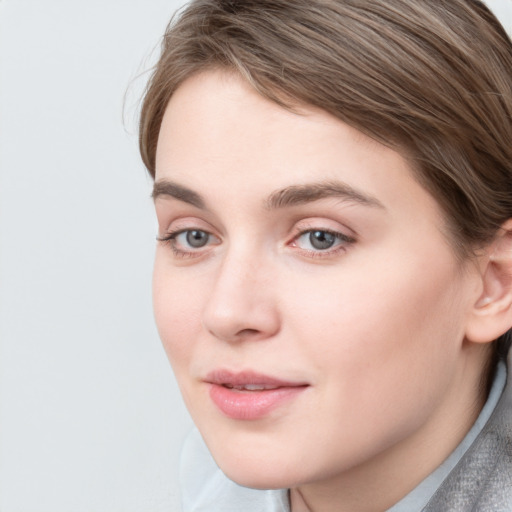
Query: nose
column 242, row 303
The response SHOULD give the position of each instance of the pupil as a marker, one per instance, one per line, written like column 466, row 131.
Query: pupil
column 197, row 238
column 321, row 239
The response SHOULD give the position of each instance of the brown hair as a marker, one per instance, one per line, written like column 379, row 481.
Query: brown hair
column 431, row 78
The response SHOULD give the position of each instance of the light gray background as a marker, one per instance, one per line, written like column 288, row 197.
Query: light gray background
column 90, row 416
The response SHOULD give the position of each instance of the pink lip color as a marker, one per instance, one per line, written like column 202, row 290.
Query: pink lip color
column 249, row 405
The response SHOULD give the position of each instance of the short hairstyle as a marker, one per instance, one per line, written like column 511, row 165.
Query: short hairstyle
column 429, row 78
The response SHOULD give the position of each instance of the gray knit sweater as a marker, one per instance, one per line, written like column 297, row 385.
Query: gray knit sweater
column 482, row 480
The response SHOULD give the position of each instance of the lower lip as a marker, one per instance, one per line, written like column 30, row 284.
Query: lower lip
column 251, row 405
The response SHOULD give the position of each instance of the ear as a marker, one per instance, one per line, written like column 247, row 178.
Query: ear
column 491, row 315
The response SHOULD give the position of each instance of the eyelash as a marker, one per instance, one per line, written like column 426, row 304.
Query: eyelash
column 170, row 239
column 343, row 239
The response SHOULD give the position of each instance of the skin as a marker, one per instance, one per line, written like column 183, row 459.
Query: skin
column 375, row 325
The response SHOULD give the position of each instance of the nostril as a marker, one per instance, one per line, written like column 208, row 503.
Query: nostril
column 247, row 333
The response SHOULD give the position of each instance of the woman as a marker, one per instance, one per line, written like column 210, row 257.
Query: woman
column 332, row 284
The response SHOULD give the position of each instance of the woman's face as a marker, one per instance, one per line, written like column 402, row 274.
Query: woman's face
column 311, row 307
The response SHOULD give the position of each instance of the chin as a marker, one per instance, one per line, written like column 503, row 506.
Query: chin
column 258, row 456
column 258, row 479
column 249, row 470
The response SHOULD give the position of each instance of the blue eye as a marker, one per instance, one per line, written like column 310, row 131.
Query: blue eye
column 196, row 238
column 188, row 242
column 321, row 240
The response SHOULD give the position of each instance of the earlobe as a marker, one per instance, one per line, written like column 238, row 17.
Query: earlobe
column 491, row 315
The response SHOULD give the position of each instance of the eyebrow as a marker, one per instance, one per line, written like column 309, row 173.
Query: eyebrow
column 169, row 188
column 308, row 193
column 293, row 195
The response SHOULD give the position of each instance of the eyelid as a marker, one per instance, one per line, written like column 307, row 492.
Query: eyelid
column 179, row 222
column 324, row 224
column 337, row 234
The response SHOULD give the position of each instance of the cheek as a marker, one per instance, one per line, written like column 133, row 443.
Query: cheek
column 177, row 316
column 380, row 321
column 383, row 351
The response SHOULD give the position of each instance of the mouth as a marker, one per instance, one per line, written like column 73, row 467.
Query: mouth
column 250, row 396
column 249, row 387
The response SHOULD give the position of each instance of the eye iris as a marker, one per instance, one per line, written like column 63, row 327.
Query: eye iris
column 196, row 238
column 321, row 239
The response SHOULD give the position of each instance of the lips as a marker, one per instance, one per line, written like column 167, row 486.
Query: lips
column 249, row 395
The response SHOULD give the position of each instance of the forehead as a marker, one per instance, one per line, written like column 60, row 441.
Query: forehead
column 222, row 139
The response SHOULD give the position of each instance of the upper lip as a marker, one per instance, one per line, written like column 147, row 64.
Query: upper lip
column 251, row 378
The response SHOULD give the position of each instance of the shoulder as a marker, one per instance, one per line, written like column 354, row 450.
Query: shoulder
column 483, row 478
